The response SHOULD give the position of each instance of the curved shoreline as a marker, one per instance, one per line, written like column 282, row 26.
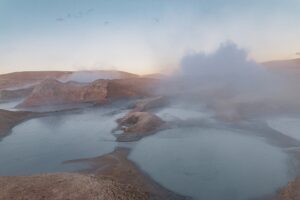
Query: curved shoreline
column 9, row 119
column 118, row 167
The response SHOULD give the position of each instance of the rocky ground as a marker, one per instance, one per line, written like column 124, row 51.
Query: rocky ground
column 140, row 121
column 291, row 191
column 136, row 125
column 64, row 186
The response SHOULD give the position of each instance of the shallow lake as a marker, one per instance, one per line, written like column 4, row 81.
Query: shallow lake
column 42, row 144
column 212, row 164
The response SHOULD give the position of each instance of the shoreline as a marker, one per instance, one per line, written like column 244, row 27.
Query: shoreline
column 117, row 166
column 10, row 119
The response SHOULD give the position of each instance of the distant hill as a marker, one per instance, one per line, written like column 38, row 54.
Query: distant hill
column 90, row 76
column 293, row 64
column 289, row 70
column 53, row 92
column 155, row 76
column 19, row 80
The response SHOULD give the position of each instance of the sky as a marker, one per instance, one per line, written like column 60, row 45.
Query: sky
column 141, row 36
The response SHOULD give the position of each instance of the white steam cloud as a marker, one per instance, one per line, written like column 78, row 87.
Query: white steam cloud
column 231, row 84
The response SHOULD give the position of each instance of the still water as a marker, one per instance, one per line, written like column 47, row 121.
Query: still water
column 212, row 164
column 42, row 144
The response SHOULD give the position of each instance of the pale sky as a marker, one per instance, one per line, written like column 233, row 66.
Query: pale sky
column 141, row 36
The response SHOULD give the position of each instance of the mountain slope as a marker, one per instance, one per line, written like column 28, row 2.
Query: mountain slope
column 53, row 92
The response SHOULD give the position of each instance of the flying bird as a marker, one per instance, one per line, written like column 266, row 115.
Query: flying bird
column 60, row 19
column 156, row 20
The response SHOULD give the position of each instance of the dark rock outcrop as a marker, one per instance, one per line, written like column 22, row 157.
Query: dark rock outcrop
column 137, row 125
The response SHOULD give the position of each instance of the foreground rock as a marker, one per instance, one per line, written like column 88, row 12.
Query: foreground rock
column 8, row 119
column 65, row 186
column 53, row 92
column 137, row 125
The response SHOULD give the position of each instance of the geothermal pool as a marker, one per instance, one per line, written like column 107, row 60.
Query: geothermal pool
column 212, row 164
column 42, row 144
